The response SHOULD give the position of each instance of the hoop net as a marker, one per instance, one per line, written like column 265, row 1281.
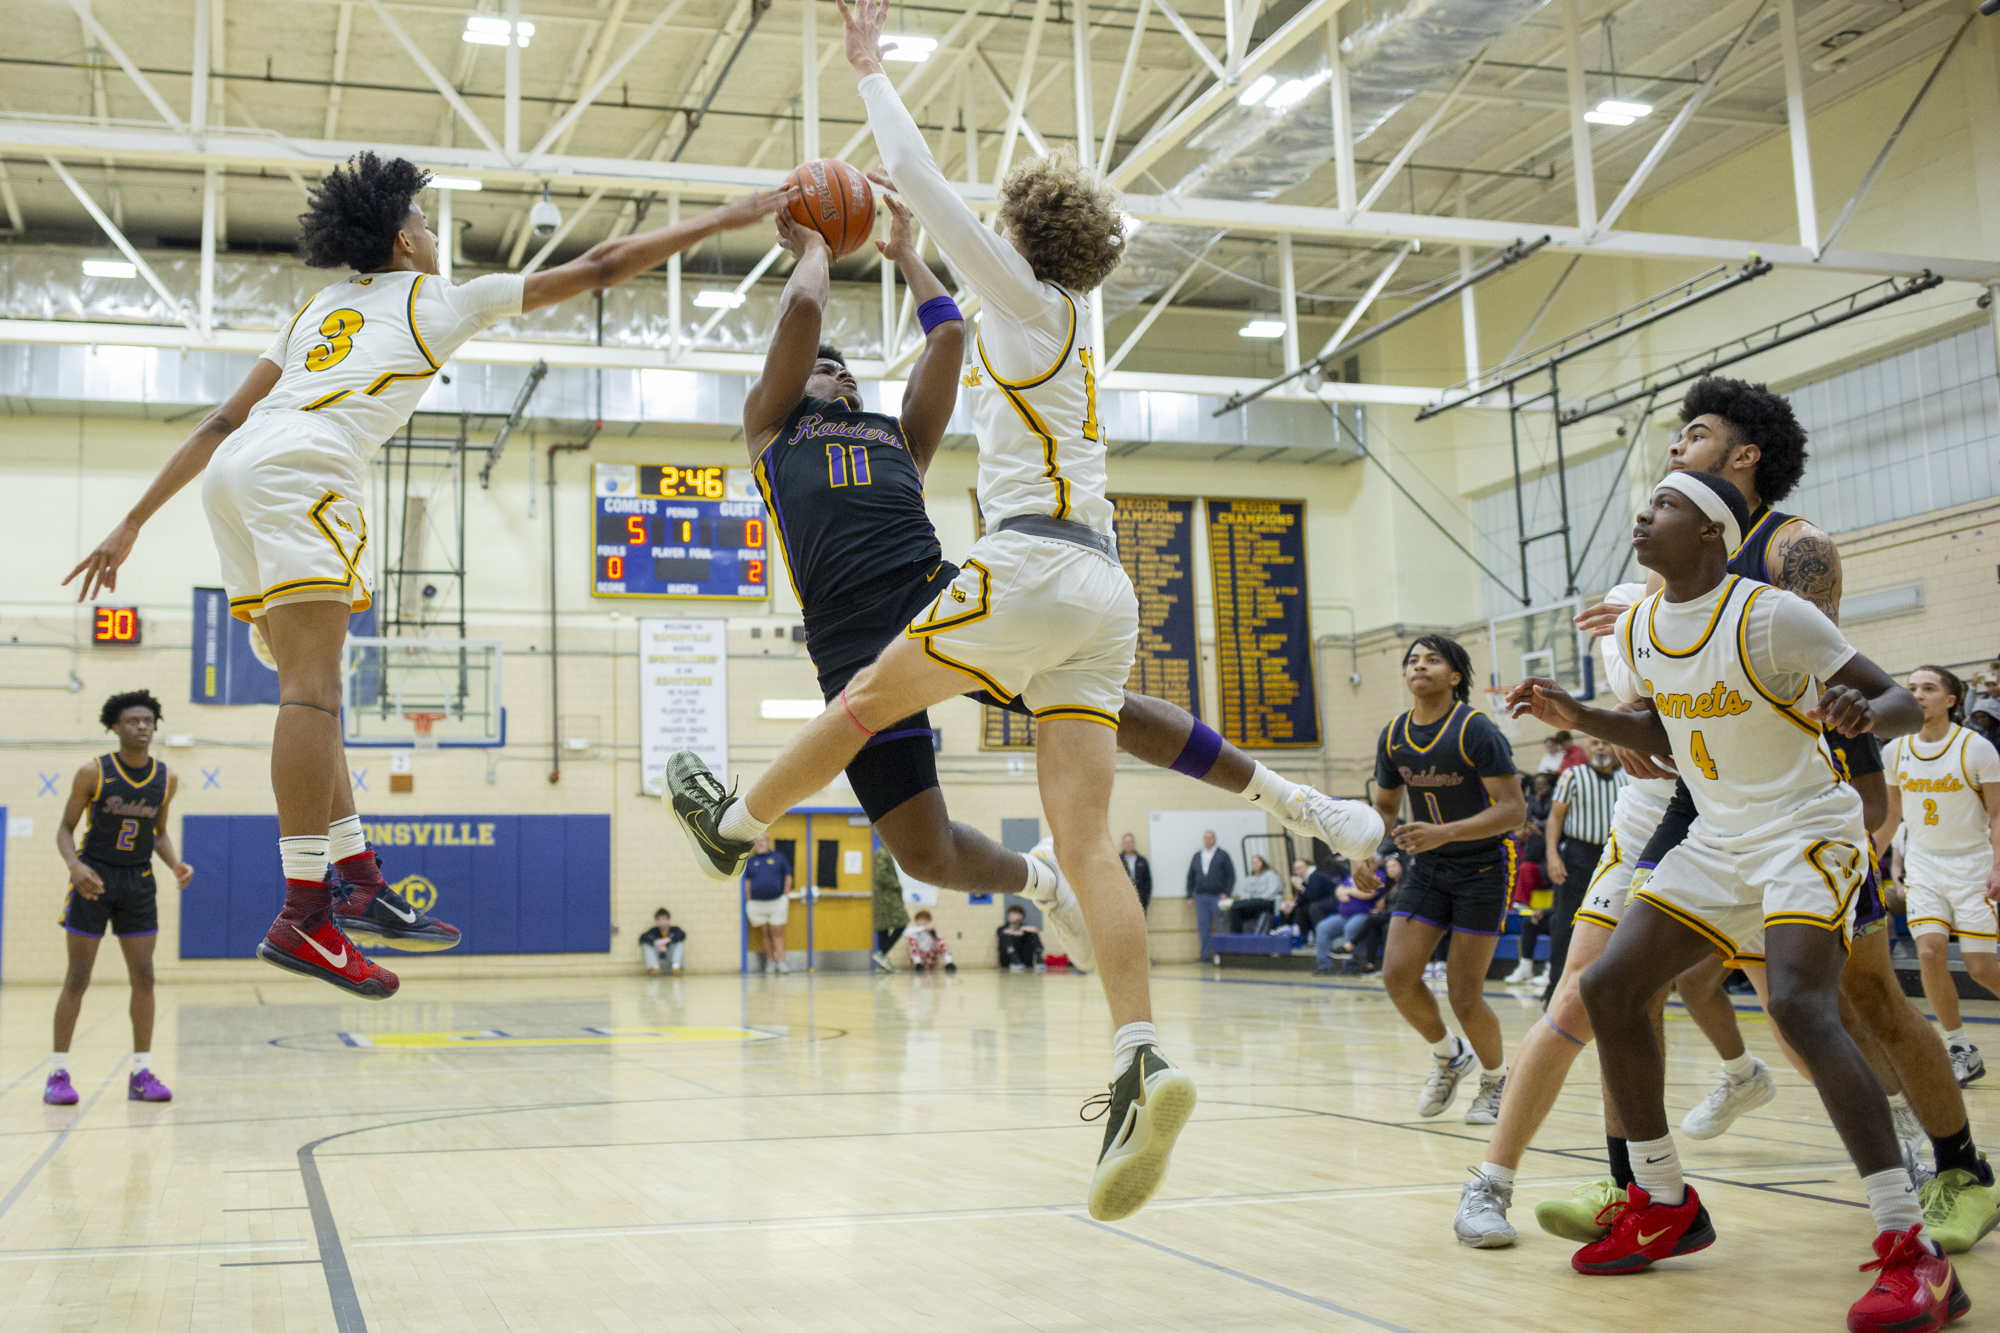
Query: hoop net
column 423, row 723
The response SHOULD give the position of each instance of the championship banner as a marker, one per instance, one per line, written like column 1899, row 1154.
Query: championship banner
column 1263, row 633
column 1156, row 547
column 510, row 883
column 683, row 695
column 231, row 664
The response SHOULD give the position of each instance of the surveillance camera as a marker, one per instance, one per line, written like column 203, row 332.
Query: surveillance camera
column 544, row 217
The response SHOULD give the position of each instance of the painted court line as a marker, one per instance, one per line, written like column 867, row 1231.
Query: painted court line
column 28, row 1176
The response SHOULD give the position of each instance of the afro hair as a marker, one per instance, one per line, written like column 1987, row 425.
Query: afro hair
column 1065, row 220
column 1755, row 416
column 115, row 706
column 353, row 214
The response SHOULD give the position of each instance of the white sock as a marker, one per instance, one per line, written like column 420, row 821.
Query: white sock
column 345, row 838
column 304, row 857
column 141, row 1060
column 1489, row 1075
column 1499, row 1175
column 1041, row 883
column 1268, row 789
column 737, row 823
column 59, row 1063
column 1445, row 1047
column 1892, row 1197
column 1957, row 1037
column 1741, row 1067
column 1125, row 1047
column 1656, row 1168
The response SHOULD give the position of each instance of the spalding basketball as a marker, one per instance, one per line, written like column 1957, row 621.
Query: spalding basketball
column 834, row 200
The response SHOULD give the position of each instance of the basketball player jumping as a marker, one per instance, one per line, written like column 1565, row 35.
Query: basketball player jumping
column 845, row 489
column 286, row 460
column 1464, row 798
column 111, row 883
column 1952, row 776
column 1041, row 611
column 1768, row 872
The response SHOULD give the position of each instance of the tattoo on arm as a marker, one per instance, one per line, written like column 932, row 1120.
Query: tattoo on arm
column 1811, row 568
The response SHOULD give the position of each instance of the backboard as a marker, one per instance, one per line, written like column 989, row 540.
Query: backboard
column 1545, row 642
column 454, row 683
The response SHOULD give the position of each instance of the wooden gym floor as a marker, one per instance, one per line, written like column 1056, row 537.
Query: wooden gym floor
column 841, row 1153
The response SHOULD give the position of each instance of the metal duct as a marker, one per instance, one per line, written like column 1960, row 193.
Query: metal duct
column 1258, row 152
column 698, row 404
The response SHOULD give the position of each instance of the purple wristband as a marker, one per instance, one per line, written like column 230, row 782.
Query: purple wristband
column 936, row 311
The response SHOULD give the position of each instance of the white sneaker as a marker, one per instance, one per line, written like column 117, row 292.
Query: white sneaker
column 1064, row 913
column 1485, row 1108
column 1524, row 971
column 1482, row 1213
column 1442, row 1085
column 1353, row 829
column 1909, row 1129
column 1728, row 1099
column 783, row 966
column 1966, row 1065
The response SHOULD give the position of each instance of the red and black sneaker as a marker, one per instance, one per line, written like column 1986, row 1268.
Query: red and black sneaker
column 1915, row 1290
column 312, row 946
column 1644, row 1232
column 376, row 915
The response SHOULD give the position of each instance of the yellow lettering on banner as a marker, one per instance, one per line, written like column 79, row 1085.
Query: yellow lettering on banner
column 422, row 833
column 402, row 835
column 486, row 835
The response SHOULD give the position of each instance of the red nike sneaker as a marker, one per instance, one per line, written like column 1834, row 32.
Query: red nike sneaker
column 367, row 909
column 312, row 946
column 1643, row 1233
column 1915, row 1291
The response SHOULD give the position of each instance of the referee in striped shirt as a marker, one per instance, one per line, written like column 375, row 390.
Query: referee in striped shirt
column 1579, row 823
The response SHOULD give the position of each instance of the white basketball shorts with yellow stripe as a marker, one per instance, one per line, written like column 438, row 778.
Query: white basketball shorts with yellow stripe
column 1634, row 819
column 1049, row 622
column 1947, row 896
column 284, row 500
column 1803, row 869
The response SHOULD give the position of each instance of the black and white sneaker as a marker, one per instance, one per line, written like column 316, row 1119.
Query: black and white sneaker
column 375, row 916
column 1144, row 1110
column 698, row 801
column 1967, row 1066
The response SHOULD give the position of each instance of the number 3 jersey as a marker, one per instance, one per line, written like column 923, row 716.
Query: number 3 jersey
column 1731, row 676
column 124, row 812
column 361, row 353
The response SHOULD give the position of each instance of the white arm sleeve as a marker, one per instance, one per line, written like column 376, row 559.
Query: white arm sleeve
column 991, row 267
column 1618, row 678
column 1795, row 641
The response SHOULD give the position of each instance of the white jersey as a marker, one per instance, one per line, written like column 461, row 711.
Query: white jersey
column 1034, row 383
column 1646, row 798
column 361, row 353
column 1731, row 675
column 1943, row 785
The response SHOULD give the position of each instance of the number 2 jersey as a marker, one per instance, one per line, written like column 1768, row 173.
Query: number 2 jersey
column 1943, row 785
column 1445, row 765
column 124, row 813
column 362, row 352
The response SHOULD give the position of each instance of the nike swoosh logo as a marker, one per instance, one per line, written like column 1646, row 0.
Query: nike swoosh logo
column 409, row 918
column 1645, row 1240
column 1939, row 1290
column 1652, row 1161
column 331, row 961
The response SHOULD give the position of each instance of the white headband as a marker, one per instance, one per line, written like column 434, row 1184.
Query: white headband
column 1710, row 504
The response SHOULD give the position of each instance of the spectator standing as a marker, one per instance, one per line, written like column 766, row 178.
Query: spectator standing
column 926, row 946
column 887, row 913
column 1137, row 869
column 1020, row 943
column 1259, row 891
column 665, row 941
column 1986, row 702
column 1551, row 761
column 1210, row 875
column 1579, row 822
column 767, row 884
column 1573, row 755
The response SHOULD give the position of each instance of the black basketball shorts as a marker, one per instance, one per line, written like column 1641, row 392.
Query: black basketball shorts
column 1469, row 894
column 129, row 904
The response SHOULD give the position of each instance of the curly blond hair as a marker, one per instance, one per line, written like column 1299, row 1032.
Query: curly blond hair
column 1064, row 219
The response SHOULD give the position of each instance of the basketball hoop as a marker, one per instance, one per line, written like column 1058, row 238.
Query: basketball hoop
column 424, row 722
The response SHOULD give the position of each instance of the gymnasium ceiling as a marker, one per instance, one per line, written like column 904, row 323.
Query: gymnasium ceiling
column 332, row 70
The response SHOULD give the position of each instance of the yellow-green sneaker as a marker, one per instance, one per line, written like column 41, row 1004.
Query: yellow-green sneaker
column 1958, row 1210
column 1575, row 1218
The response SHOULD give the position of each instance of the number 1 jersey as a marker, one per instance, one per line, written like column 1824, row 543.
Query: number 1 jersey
column 361, row 353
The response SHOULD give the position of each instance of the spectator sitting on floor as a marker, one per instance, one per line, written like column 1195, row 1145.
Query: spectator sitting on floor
column 665, row 940
column 1258, row 892
column 927, row 947
column 1020, row 943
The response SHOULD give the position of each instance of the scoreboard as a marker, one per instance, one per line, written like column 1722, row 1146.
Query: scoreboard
column 666, row 531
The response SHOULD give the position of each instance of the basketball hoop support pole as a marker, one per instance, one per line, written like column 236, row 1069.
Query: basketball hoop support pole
column 555, row 660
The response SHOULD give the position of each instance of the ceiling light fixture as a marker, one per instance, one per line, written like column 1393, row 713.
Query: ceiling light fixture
column 1293, row 91
column 914, row 50
column 1262, row 328
column 110, row 268
column 1611, row 106
column 1606, row 118
column 456, row 183
column 1257, row 91
column 716, row 299
column 485, row 30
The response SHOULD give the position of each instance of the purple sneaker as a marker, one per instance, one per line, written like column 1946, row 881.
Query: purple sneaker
column 143, row 1087
column 58, row 1092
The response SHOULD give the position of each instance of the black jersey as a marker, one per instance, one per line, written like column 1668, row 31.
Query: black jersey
column 1444, row 764
column 124, row 812
column 1751, row 558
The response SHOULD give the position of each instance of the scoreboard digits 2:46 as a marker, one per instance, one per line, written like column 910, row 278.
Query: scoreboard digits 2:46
column 665, row 531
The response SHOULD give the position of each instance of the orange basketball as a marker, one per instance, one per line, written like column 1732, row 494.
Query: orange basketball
column 836, row 201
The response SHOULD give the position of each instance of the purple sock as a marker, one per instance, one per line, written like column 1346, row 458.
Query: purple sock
column 1204, row 744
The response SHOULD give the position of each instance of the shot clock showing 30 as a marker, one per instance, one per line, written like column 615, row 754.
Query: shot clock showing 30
column 666, row 531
